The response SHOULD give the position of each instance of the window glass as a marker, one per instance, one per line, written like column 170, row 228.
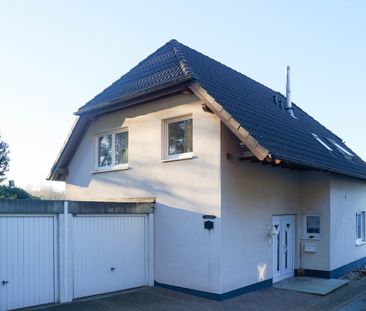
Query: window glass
column 105, row 150
column 121, row 148
column 322, row 142
column 313, row 224
column 342, row 149
column 112, row 150
column 360, row 227
column 180, row 137
column 311, row 228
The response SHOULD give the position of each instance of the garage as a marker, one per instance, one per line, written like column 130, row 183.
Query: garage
column 110, row 253
column 27, row 261
column 57, row 251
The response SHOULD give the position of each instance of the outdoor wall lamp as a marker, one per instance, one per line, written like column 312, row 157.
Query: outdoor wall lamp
column 271, row 232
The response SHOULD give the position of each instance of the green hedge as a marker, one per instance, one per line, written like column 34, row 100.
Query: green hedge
column 14, row 193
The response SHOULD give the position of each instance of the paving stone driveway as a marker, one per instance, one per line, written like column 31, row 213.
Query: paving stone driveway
column 155, row 298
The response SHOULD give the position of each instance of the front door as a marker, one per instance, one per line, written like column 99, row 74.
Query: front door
column 283, row 247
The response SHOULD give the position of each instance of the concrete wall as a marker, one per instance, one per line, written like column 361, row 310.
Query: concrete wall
column 186, row 254
column 348, row 196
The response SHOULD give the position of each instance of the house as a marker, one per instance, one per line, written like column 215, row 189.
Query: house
column 249, row 188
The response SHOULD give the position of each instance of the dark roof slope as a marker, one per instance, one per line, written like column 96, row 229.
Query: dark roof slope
column 249, row 102
column 163, row 68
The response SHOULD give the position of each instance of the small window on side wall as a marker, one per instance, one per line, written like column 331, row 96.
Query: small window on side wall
column 112, row 150
column 178, row 138
column 360, row 227
column 311, row 227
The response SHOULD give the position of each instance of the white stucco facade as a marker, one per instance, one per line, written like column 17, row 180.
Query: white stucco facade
column 252, row 194
column 186, row 254
column 243, row 196
column 347, row 197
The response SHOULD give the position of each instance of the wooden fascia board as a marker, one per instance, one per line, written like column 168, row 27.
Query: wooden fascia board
column 253, row 145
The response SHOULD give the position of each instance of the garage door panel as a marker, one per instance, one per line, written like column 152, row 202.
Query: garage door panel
column 109, row 254
column 136, row 256
column 26, row 261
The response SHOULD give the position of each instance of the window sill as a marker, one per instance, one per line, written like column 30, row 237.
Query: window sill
column 122, row 167
column 316, row 238
column 187, row 156
column 359, row 243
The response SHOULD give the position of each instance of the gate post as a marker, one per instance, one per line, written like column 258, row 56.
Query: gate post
column 151, row 254
column 65, row 251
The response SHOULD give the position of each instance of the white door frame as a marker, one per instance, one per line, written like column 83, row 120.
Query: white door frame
column 283, row 242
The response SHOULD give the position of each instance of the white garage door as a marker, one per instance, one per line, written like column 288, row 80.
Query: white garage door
column 26, row 261
column 109, row 253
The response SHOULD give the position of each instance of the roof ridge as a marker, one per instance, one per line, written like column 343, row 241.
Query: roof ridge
column 183, row 63
column 238, row 72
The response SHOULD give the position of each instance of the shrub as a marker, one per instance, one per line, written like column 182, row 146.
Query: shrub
column 14, row 193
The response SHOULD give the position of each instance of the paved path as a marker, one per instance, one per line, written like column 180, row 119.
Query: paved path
column 155, row 298
column 358, row 304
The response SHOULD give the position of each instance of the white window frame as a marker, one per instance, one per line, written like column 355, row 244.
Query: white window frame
column 322, row 142
column 98, row 168
column 361, row 239
column 342, row 149
column 180, row 156
column 310, row 235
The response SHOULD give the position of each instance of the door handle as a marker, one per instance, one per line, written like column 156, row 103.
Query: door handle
column 3, row 283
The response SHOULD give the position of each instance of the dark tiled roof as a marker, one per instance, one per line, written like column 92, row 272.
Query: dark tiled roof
column 249, row 102
column 162, row 68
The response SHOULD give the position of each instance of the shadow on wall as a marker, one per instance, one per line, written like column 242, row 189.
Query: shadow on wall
column 188, row 184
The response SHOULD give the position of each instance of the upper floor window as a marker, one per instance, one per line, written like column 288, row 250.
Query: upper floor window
column 179, row 138
column 112, row 150
column 360, row 227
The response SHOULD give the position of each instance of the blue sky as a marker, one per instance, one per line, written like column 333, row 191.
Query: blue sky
column 56, row 55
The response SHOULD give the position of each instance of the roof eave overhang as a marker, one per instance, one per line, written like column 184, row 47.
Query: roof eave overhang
column 134, row 96
column 319, row 167
column 59, row 169
column 85, row 116
column 259, row 151
column 245, row 137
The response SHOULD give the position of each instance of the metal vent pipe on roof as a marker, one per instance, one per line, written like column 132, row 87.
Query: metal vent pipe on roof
column 288, row 92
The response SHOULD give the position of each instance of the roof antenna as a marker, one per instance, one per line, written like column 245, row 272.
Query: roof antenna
column 288, row 93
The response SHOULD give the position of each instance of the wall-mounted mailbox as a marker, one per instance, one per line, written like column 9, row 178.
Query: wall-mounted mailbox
column 209, row 225
column 310, row 248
